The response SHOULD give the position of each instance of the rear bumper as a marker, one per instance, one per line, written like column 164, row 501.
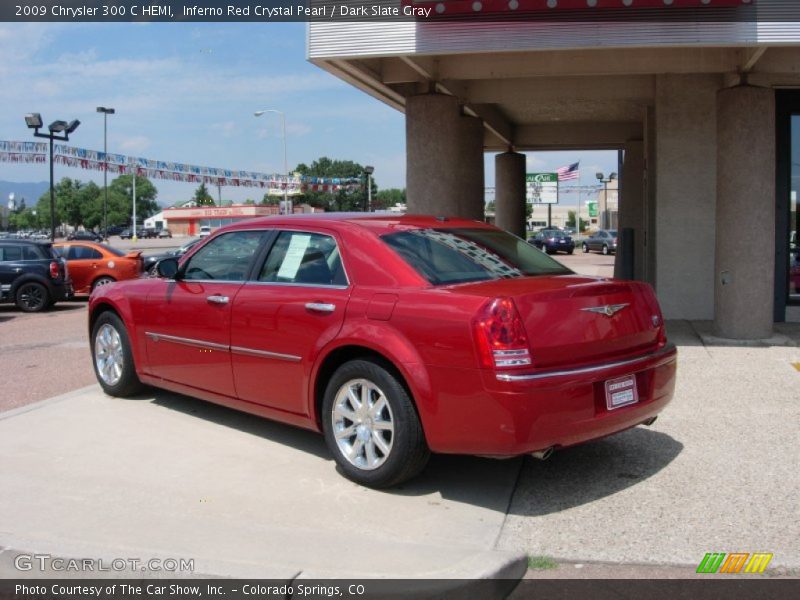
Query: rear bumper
column 507, row 415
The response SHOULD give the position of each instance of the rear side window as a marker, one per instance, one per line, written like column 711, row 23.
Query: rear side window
column 22, row 252
column 83, row 253
column 304, row 258
column 225, row 258
column 449, row 256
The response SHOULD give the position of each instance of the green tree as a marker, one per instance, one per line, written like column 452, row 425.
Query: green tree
column 120, row 199
column 341, row 200
column 387, row 198
column 571, row 221
column 202, row 196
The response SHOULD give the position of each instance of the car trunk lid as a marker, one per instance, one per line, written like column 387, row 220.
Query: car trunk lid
column 572, row 319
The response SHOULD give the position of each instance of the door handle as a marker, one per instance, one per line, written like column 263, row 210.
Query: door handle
column 217, row 299
column 321, row 307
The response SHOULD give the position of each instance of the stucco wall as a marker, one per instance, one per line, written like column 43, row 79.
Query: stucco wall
column 686, row 191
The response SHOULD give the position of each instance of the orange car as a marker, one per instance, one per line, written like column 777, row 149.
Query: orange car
column 91, row 264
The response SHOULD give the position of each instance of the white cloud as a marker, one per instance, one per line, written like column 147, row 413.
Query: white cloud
column 534, row 162
column 134, row 144
column 227, row 129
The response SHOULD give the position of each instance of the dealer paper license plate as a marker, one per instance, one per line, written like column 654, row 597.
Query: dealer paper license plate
column 621, row 392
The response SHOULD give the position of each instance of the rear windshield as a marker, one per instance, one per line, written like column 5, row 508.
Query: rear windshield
column 112, row 250
column 448, row 256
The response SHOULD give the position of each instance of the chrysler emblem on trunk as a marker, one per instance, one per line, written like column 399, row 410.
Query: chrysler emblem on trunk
column 608, row 310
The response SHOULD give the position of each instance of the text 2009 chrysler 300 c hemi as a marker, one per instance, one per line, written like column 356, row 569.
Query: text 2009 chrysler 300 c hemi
column 395, row 336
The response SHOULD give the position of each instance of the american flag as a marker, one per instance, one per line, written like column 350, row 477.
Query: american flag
column 569, row 172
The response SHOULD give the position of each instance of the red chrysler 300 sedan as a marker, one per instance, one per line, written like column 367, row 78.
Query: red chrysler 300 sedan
column 395, row 336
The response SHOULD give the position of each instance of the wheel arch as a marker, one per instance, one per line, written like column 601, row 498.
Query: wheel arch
column 411, row 376
column 28, row 278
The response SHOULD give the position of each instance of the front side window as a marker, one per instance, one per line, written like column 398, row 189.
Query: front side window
column 225, row 258
column 450, row 256
column 304, row 258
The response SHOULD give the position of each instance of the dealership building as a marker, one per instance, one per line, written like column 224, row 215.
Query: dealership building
column 706, row 114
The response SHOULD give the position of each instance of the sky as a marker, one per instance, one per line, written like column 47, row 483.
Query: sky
column 186, row 92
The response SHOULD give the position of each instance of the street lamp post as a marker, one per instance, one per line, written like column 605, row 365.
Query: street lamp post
column 287, row 206
column 134, row 237
column 369, row 171
column 604, row 224
column 106, row 112
column 34, row 121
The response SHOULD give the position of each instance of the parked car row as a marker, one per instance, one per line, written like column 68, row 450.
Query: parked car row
column 35, row 275
column 148, row 233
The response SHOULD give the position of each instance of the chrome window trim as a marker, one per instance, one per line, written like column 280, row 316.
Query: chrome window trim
column 265, row 354
column 303, row 285
column 592, row 369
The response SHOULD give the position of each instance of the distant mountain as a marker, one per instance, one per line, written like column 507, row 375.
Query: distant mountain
column 31, row 191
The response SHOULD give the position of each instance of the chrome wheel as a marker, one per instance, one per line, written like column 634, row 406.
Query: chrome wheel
column 363, row 424
column 108, row 355
column 101, row 282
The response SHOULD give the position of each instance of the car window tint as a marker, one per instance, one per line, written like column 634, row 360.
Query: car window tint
column 307, row 258
column 10, row 253
column 463, row 255
column 83, row 253
column 112, row 250
column 225, row 258
column 31, row 253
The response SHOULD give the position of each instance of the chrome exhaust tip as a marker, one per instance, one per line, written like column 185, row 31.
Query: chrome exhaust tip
column 650, row 421
column 543, row 454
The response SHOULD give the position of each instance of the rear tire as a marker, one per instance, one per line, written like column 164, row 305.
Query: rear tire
column 371, row 426
column 100, row 281
column 605, row 249
column 32, row 297
column 112, row 357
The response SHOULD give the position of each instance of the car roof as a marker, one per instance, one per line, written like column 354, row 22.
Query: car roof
column 24, row 241
column 379, row 223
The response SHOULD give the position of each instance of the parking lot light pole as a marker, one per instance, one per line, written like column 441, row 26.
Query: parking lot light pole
column 106, row 112
column 34, row 121
column 287, row 207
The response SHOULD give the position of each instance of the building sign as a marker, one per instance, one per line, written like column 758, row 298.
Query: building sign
column 591, row 205
column 219, row 212
column 541, row 188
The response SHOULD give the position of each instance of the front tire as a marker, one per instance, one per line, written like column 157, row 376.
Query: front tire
column 371, row 426
column 32, row 297
column 585, row 248
column 112, row 357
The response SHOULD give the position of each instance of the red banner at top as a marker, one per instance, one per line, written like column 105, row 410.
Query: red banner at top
column 508, row 8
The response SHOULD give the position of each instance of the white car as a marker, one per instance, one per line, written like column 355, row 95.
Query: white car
column 205, row 231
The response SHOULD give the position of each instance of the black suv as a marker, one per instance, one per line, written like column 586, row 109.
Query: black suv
column 31, row 275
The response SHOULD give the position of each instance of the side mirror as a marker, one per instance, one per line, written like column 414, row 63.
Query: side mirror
column 167, row 267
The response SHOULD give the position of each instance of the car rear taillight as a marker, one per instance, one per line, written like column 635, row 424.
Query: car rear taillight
column 54, row 272
column 500, row 335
